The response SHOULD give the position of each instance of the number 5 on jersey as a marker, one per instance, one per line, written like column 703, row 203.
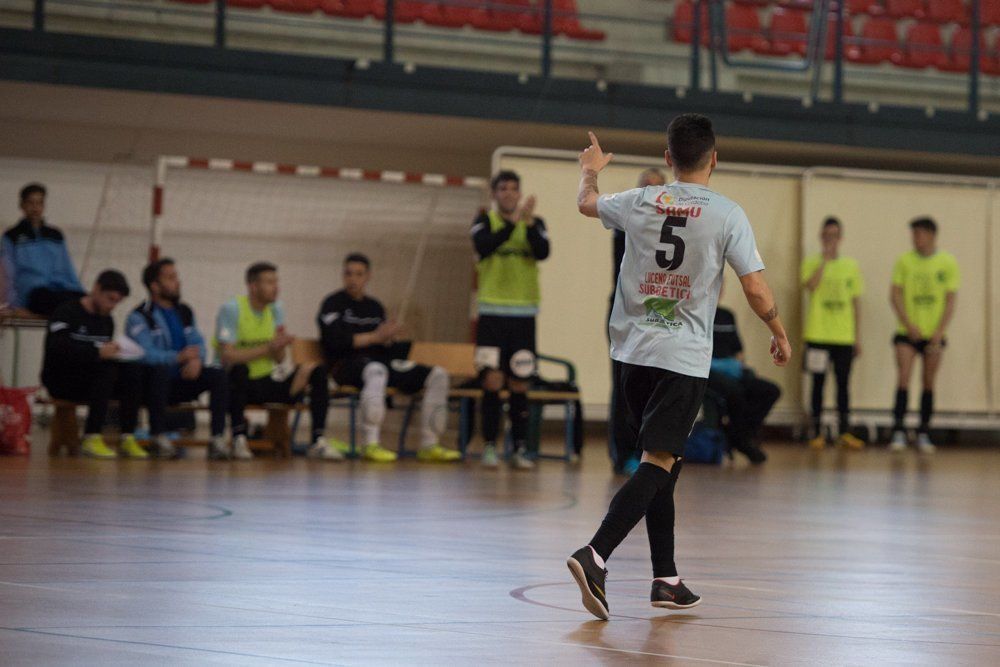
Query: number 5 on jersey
column 667, row 236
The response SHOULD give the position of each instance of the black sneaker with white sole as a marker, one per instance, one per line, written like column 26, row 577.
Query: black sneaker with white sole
column 665, row 596
column 590, row 577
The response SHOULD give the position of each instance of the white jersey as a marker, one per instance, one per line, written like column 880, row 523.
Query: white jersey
column 677, row 240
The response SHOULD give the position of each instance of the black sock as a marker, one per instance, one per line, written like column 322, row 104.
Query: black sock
column 490, row 415
column 899, row 411
column 660, row 527
column 518, row 416
column 926, row 410
column 845, row 424
column 628, row 506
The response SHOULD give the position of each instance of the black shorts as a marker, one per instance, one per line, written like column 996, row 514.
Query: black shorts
column 836, row 354
column 659, row 407
column 404, row 375
column 920, row 346
column 268, row 390
column 507, row 344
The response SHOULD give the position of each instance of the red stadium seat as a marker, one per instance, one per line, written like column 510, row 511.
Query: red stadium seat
column 354, row 9
column 904, row 9
column 852, row 51
column 789, row 32
column 863, row 7
column 989, row 12
column 947, row 11
column 246, row 4
column 960, row 52
column 923, row 47
column 195, row 2
column 405, row 11
column 683, row 23
column 452, row 16
column 565, row 21
column 880, row 42
column 743, row 29
column 295, row 6
column 504, row 15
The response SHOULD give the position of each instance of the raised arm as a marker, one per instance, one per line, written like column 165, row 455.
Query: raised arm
column 592, row 161
column 761, row 300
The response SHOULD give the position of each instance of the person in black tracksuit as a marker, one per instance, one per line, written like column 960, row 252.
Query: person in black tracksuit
column 357, row 339
column 81, row 364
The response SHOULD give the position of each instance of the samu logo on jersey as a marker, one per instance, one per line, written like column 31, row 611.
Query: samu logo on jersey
column 661, row 312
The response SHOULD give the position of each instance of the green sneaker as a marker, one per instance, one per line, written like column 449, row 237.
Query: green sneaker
column 438, row 454
column 341, row 446
column 130, row 448
column 490, row 458
column 95, row 447
column 379, row 454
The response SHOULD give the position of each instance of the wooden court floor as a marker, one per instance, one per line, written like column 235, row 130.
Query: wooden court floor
column 812, row 559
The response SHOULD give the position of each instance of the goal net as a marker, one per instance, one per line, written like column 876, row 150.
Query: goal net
column 216, row 217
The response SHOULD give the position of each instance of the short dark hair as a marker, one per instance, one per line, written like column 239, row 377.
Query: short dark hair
column 503, row 176
column 690, row 140
column 358, row 258
column 152, row 272
column 832, row 222
column 924, row 223
column 257, row 268
column 30, row 189
column 113, row 281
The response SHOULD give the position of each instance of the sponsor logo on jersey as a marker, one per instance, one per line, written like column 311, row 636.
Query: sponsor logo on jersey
column 661, row 312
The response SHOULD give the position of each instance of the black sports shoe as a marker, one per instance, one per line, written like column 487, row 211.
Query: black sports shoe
column 590, row 578
column 665, row 596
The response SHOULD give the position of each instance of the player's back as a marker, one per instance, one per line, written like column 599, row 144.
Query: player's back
column 678, row 239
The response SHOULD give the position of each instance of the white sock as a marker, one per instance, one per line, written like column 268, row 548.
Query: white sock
column 375, row 377
column 597, row 557
column 434, row 407
column 673, row 581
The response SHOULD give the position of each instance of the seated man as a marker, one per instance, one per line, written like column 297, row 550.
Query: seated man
column 35, row 259
column 748, row 397
column 250, row 333
column 81, row 365
column 356, row 339
column 174, row 361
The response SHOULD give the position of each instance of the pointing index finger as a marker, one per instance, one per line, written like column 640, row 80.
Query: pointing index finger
column 593, row 140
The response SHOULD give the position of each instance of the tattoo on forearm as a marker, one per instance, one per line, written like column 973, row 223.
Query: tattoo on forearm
column 588, row 184
column 770, row 315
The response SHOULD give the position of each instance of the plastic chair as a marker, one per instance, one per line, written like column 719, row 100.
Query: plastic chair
column 852, row 52
column 743, row 29
column 452, row 16
column 789, row 32
column 502, row 15
column 405, row 11
column 863, row 7
column 960, row 52
column 904, row 9
column 923, row 47
column 246, row 4
column 295, row 6
column 880, row 43
column 989, row 12
column 352, row 9
column 683, row 23
column 948, row 11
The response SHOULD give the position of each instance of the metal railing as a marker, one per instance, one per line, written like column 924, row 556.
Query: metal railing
column 389, row 37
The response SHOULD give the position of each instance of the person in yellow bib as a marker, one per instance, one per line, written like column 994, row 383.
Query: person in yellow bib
column 509, row 242
column 835, row 286
column 925, row 284
column 252, row 342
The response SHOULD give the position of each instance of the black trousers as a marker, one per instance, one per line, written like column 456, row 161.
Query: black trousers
column 43, row 301
column 96, row 384
column 163, row 389
column 841, row 356
column 243, row 392
column 748, row 401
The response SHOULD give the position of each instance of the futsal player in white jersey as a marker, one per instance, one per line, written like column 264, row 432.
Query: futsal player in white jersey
column 678, row 239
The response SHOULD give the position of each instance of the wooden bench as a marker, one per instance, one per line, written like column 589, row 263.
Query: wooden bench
column 65, row 431
column 458, row 360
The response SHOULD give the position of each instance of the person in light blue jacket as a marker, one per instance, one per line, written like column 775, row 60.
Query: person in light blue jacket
column 33, row 254
column 174, row 358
